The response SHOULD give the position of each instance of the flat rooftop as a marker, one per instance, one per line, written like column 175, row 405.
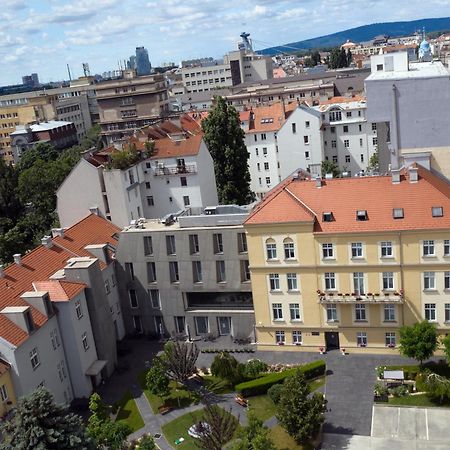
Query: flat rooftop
column 433, row 69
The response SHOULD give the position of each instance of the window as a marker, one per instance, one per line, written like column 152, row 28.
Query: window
column 266, row 166
column 292, row 281
column 348, row 114
column 307, row 124
column 332, row 129
column 428, row 248
column 374, row 127
column 242, row 243
column 397, row 213
column 345, row 129
column 389, row 313
column 280, row 337
column 194, row 247
column 361, row 215
column 388, row 281
column 447, row 247
column 170, row 244
column 201, row 325
column 265, row 151
column 294, row 309
column 274, row 281
column 447, row 312
column 379, row 67
column 330, row 281
column 258, row 166
column 335, row 115
column 386, row 249
column 347, row 158
column 430, row 311
column 267, row 180
column 54, row 338
column 374, row 141
column 148, row 246
column 277, row 311
column 271, row 249
column 327, row 250
column 327, row 217
column 84, row 341
column 333, row 144
column 390, row 340
column 297, row 337
column 358, row 283
column 217, row 243
column 446, row 280
column 346, row 143
column 151, row 272
column 289, row 252
column 3, row 393
column 360, row 312
column 306, row 155
column 437, row 211
column 335, row 159
column 256, row 152
column 331, row 312
column 294, row 128
column 429, row 281
column 130, row 270
column 263, row 136
column 220, row 271
column 154, row 298
column 361, row 338
column 256, row 137
column 147, row 185
column 197, row 271
column 133, row 298
column 245, row 270
column 360, row 142
column 357, row 250
column 183, row 181
column 306, row 139
column 173, row 271
column 150, row 201
column 186, row 200
column 78, row 309
column 361, row 157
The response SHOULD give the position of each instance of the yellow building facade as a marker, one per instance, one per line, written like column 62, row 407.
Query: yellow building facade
column 7, row 396
column 319, row 284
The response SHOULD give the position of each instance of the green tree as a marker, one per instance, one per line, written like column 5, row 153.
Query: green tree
column 373, row 165
column 42, row 151
column 219, row 428
column 437, row 386
column 179, row 359
column 40, row 424
column 227, row 367
column 156, row 379
column 298, row 412
column 446, row 345
column 11, row 208
column 224, row 138
column 147, row 443
column 418, row 341
column 330, row 167
column 255, row 436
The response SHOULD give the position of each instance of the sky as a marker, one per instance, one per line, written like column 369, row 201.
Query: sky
column 44, row 36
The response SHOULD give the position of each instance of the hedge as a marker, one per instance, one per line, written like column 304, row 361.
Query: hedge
column 262, row 384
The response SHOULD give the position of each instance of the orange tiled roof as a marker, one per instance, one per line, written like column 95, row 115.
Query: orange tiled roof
column 42, row 262
column 270, row 118
column 344, row 196
column 58, row 290
column 171, row 148
column 339, row 99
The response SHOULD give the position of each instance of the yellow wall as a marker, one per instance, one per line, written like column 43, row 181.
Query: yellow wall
column 407, row 265
column 5, row 380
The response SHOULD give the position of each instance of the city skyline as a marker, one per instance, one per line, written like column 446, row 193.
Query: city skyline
column 47, row 35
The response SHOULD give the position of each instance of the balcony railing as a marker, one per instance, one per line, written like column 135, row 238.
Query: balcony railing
column 177, row 170
column 383, row 297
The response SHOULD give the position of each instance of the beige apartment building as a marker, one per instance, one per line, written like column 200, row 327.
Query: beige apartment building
column 344, row 263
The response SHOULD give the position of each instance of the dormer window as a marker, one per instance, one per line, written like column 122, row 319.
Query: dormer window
column 397, row 213
column 327, row 217
column 361, row 215
column 437, row 211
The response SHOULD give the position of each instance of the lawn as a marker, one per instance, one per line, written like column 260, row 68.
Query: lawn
column 178, row 398
column 129, row 413
column 284, row 442
column 416, row 400
column 179, row 428
column 217, row 385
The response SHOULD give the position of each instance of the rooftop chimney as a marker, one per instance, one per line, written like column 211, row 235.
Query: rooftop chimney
column 413, row 174
column 47, row 241
column 395, row 173
column 58, row 232
column 17, row 259
column 318, row 181
column 94, row 210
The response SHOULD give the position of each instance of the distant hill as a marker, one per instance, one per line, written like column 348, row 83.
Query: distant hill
column 363, row 33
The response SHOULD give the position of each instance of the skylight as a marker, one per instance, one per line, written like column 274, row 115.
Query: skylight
column 397, row 213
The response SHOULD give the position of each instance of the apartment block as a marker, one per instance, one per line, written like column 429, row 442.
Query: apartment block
column 187, row 275
column 178, row 174
column 60, row 314
column 344, row 263
column 206, row 78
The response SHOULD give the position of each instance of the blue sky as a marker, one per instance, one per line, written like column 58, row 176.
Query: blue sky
column 44, row 35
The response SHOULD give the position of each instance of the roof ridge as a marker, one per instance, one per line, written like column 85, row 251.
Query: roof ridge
column 308, row 209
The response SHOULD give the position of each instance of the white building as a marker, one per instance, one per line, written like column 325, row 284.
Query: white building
column 206, row 78
column 179, row 174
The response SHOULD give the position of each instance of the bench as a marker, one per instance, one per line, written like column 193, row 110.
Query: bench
column 164, row 409
column 241, row 401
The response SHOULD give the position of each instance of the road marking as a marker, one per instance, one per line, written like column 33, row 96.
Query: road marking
column 426, row 423
column 371, row 426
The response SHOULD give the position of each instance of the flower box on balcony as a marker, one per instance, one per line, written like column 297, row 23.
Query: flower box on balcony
column 330, row 294
column 298, row 343
column 280, row 343
column 347, row 295
column 340, row 294
column 369, row 294
column 362, row 345
column 377, row 294
column 391, row 345
column 397, row 293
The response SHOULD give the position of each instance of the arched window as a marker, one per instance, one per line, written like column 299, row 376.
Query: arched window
column 289, row 250
column 271, row 249
column 335, row 115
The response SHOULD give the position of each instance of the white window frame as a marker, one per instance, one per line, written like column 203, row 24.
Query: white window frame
column 34, row 358
column 197, row 274
column 358, row 283
column 292, row 281
column 360, row 312
column 430, row 311
column 329, row 280
column 289, row 249
column 429, row 281
column 327, row 250
column 297, row 338
column 389, row 313
column 277, row 311
column 274, row 281
column 152, row 296
column 84, row 341
column 357, row 250
column 390, row 339
column 294, row 312
column 428, row 248
column 361, row 338
column 78, row 309
column 447, row 312
column 280, row 337
column 386, row 248
column 387, row 279
column 446, row 247
column 131, row 299
column 331, row 311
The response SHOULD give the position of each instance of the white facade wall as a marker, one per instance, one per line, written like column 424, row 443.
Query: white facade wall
column 113, row 297
column 206, row 78
column 78, row 359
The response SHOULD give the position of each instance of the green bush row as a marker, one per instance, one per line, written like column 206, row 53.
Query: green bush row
column 260, row 385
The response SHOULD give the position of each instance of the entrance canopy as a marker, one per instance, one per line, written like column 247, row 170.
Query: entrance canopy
column 96, row 367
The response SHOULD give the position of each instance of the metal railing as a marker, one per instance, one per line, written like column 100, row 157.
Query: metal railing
column 177, row 170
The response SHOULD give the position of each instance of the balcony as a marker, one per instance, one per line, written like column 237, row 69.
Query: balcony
column 371, row 298
column 176, row 170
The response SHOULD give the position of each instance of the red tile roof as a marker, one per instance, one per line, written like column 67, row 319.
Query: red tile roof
column 42, row 262
column 340, row 99
column 172, row 148
column 58, row 290
column 344, row 196
column 270, row 118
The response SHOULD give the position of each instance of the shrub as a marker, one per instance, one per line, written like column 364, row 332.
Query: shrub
column 253, row 367
column 227, row 367
column 262, row 384
column 399, row 391
column 274, row 392
column 380, row 390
